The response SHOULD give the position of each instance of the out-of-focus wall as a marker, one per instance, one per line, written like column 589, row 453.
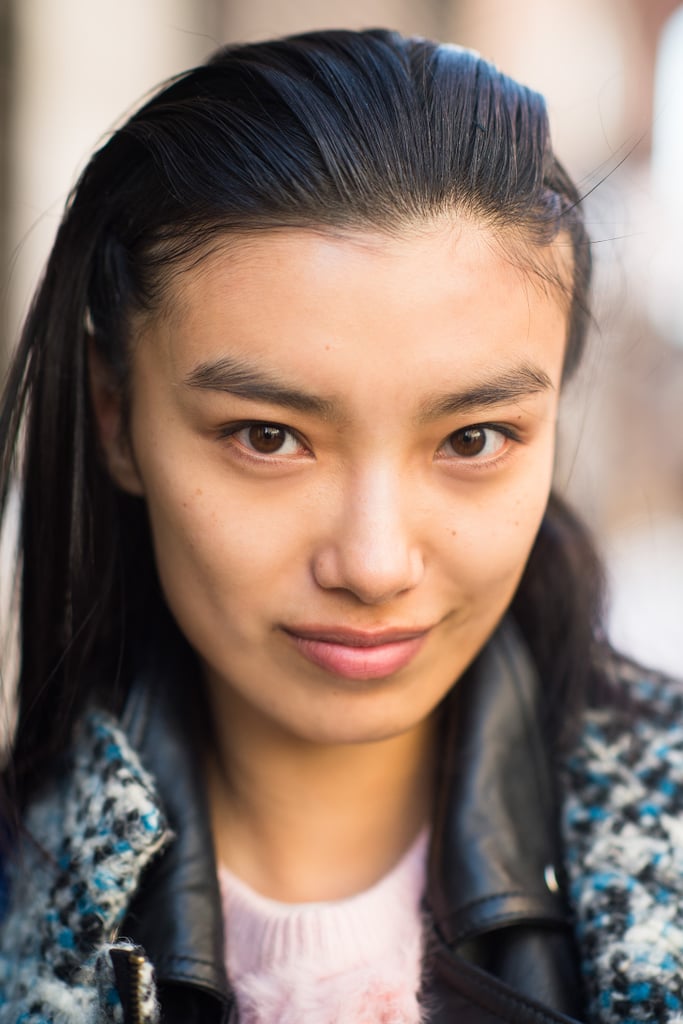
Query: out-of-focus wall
column 263, row 18
column 77, row 66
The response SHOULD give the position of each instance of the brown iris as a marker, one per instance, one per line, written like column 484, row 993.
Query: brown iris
column 468, row 442
column 266, row 438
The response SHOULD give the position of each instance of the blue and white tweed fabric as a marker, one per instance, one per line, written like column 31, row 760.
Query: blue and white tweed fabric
column 623, row 830
column 90, row 838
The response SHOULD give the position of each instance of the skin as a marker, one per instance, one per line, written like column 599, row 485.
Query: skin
column 372, row 510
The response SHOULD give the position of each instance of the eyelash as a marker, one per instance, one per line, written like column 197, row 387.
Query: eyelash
column 230, row 432
column 475, row 464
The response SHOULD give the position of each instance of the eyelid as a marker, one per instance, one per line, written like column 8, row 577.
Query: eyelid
column 475, row 462
column 512, row 433
column 229, row 430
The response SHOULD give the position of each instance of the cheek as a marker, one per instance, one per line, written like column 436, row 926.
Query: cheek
column 218, row 547
column 489, row 540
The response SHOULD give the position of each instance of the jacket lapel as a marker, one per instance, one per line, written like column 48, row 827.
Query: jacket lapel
column 495, row 863
column 177, row 916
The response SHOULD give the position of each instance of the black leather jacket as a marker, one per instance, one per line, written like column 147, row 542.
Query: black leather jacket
column 500, row 946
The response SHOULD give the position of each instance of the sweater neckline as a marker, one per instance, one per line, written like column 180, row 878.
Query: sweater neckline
column 262, row 932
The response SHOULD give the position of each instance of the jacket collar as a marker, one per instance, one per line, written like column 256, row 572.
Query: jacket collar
column 494, row 841
column 495, row 851
column 177, row 916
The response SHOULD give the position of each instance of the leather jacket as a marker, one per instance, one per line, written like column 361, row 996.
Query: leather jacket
column 499, row 946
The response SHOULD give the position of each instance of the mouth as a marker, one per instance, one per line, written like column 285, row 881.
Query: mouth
column 358, row 654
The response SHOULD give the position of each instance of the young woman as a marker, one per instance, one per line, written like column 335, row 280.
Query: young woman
column 308, row 647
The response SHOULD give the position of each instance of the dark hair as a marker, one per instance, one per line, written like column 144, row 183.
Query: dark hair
column 335, row 129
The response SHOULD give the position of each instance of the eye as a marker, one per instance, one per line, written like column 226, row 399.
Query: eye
column 265, row 439
column 480, row 442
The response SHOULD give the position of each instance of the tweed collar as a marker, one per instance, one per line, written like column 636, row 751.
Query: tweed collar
column 87, row 841
column 623, row 829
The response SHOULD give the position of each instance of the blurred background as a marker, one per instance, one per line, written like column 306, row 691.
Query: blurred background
column 612, row 71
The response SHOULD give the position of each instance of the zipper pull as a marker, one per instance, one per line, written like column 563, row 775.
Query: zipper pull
column 134, row 984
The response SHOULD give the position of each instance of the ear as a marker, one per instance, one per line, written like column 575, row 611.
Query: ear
column 107, row 403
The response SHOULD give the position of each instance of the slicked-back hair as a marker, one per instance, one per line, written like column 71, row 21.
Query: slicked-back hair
column 333, row 130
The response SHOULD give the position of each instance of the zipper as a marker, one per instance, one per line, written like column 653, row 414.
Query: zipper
column 135, row 961
column 128, row 964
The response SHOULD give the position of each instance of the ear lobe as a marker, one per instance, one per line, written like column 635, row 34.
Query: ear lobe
column 107, row 404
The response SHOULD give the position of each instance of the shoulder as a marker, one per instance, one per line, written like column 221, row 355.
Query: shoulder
column 625, row 772
column 651, row 696
column 623, row 835
column 636, row 731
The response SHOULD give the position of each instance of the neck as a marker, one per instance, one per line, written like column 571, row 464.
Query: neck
column 302, row 822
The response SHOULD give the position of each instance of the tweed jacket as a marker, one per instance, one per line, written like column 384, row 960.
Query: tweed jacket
column 68, row 948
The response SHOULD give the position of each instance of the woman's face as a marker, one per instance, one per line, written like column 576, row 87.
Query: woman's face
column 345, row 444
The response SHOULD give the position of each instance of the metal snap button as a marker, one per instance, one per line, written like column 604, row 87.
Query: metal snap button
column 550, row 878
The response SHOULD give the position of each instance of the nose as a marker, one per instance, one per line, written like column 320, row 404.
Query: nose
column 371, row 549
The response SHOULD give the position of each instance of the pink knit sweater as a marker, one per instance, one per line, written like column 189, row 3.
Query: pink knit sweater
column 352, row 961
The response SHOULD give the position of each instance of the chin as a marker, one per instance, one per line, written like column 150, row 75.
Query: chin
column 356, row 726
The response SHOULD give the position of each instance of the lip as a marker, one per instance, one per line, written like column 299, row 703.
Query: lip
column 358, row 654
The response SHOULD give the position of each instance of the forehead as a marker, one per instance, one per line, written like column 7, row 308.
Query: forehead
column 436, row 294
column 448, row 241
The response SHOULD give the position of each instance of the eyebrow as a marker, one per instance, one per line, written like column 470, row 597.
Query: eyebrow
column 244, row 380
column 239, row 378
column 511, row 385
